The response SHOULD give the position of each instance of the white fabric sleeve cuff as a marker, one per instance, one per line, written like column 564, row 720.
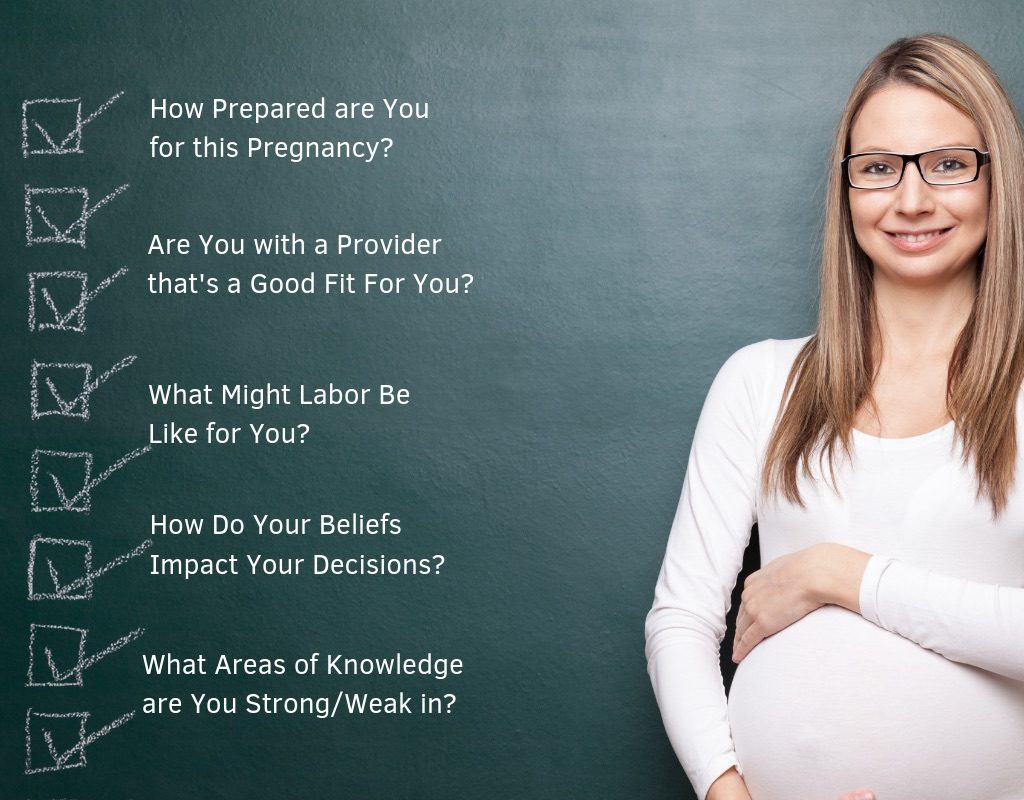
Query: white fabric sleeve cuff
column 873, row 572
column 714, row 770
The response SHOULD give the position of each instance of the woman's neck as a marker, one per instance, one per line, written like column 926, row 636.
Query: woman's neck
column 922, row 322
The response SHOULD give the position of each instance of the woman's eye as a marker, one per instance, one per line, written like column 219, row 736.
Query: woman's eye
column 949, row 165
column 877, row 168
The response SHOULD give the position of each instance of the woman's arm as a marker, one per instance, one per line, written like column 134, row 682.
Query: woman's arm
column 975, row 623
column 966, row 621
column 729, row 786
column 716, row 511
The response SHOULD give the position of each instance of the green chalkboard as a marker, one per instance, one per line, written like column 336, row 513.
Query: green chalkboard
column 567, row 219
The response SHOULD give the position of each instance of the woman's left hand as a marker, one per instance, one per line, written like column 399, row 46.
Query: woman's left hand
column 792, row 586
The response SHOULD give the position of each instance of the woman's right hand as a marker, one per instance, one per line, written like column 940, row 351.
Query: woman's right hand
column 731, row 786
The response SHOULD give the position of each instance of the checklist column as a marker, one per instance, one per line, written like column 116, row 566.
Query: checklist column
column 60, row 731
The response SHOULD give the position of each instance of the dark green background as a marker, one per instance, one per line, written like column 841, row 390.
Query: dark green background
column 636, row 189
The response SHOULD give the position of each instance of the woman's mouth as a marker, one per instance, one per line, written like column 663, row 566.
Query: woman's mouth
column 916, row 242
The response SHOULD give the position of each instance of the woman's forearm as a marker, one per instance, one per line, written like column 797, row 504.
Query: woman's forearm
column 837, row 581
column 729, row 786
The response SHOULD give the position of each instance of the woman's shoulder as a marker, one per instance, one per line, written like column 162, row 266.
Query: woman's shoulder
column 763, row 361
column 750, row 383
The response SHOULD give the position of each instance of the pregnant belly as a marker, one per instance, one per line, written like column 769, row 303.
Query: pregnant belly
column 834, row 703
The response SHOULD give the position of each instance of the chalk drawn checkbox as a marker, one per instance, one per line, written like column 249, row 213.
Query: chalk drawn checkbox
column 60, row 390
column 56, row 214
column 59, row 569
column 56, row 655
column 61, row 481
column 53, row 126
column 60, row 214
column 64, row 390
column 53, row 742
column 58, row 300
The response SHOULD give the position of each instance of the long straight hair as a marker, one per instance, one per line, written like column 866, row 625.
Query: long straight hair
column 834, row 372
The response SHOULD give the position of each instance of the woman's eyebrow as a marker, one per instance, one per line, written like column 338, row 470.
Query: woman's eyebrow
column 876, row 149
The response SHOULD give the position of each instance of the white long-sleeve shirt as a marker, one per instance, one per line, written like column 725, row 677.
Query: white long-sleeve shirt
column 921, row 695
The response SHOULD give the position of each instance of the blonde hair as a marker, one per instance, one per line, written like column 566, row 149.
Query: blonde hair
column 833, row 373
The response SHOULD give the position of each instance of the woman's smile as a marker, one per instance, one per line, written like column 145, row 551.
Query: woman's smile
column 916, row 242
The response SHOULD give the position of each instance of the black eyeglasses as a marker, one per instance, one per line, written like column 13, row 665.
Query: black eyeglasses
column 944, row 166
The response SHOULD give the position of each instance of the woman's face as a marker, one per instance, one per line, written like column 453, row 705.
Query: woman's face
column 909, row 119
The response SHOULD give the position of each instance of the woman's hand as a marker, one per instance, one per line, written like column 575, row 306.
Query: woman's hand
column 731, row 786
column 792, row 586
column 775, row 597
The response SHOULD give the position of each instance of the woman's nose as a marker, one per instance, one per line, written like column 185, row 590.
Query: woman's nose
column 914, row 195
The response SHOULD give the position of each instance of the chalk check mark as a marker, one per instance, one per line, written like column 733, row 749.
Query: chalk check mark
column 61, row 147
column 62, row 591
column 67, row 407
column 84, row 664
column 71, row 503
column 60, row 760
column 64, row 234
column 61, row 320
column 76, row 131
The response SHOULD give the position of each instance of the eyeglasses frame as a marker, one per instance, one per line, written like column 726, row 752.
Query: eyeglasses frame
column 983, row 159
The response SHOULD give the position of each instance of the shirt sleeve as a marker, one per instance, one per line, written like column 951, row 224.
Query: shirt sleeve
column 711, row 529
column 973, row 623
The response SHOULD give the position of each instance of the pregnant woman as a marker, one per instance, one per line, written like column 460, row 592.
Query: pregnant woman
column 881, row 645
